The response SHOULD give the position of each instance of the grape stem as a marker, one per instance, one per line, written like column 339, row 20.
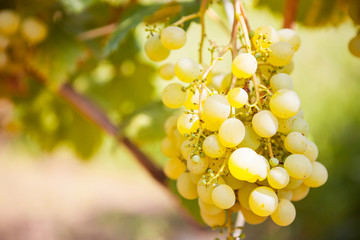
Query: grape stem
column 270, row 148
column 290, row 12
column 184, row 19
column 202, row 22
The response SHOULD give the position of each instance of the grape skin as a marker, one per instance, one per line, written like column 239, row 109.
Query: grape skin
column 173, row 37
column 281, row 53
column 155, row 50
column 244, row 65
column 265, row 124
column 173, row 96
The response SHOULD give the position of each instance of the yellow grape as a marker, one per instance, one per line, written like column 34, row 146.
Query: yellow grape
column 300, row 125
column 168, row 147
column 318, row 177
column 290, row 36
column 295, row 142
column 243, row 164
column 265, row 124
column 173, row 37
column 187, row 123
column 186, row 147
column 251, row 139
column 33, row 30
column 285, row 193
column 205, row 191
column 186, row 187
column 209, row 209
column 263, row 201
column 155, row 50
column 281, row 81
column 250, row 217
column 285, row 103
column 244, row 65
column 174, row 167
column 288, row 68
column 244, row 194
column 223, row 196
column 237, row 97
column 197, row 167
column 298, row 166
column 278, row 178
column 173, row 95
column 294, row 183
column 187, row 70
column 285, row 124
column 281, row 53
column 285, row 213
column 167, row 71
column 311, row 151
column 9, row 22
column 170, row 124
column 269, row 32
column 216, row 108
column 231, row 132
column 300, row 192
column 212, row 146
column 214, row 220
column 233, row 182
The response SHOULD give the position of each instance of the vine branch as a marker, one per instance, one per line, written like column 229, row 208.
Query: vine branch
column 290, row 12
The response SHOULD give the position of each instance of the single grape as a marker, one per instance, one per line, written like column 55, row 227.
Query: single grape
column 244, row 194
column 300, row 192
column 294, row 183
column 237, row 97
column 187, row 123
column 290, row 36
column 168, row 148
column 174, row 167
column 243, row 164
column 170, row 124
column 311, row 151
column 285, row 124
column 244, row 65
column 268, row 33
column 173, row 37
column 250, row 217
column 285, row 103
column 216, row 108
column 212, row 146
column 265, row 124
column 167, row 71
column 318, row 177
column 186, row 147
column 155, row 50
column 33, row 30
column 300, row 125
column 251, row 139
column 285, row 213
column 187, row 70
column 197, row 165
column 214, row 220
column 223, row 196
column 281, row 54
column 263, row 201
column 281, row 81
column 186, row 187
column 278, row 178
column 209, row 209
column 298, row 166
column 233, row 182
column 274, row 162
column 288, row 68
column 231, row 132
column 173, row 95
column 295, row 142
column 285, row 193
column 9, row 22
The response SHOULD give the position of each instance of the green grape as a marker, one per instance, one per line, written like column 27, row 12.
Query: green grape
column 173, row 37
column 187, row 70
column 269, row 32
column 318, row 177
column 250, row 217
column 354, row 46
column 170, row 124
column 167, row 71
column 294, row 183
column 223, row 196
column 173, row 95
column 281, row 54
column 155, row 50
column 281, row 81
column 300, row 125
column 9, row 22
column 274, row 162
column 205, row 191
column 295, row 142
column 198, row 165
column 285, row 103
column 288, row 68
column 298, row 166
column 187, row 123
column 244, row 163
column 33, row 30
column 237, row 97
column 244, row 65
column 216, row 109
column 300, row 192
column 285, row 213
column 244, row 194
column 251, row 139
column 173, row 168
column 311, row 151
column 168, row 148
column 285, row 193
column 278, row 178
column 209, row 209
column 231, row 132
column 265, row 124
column 186, row 187
column 290, row 36
column 212, row 146
column 263, row 201
column 4, row 42
column 233, row 182
column 214, row 220
column 285, row 124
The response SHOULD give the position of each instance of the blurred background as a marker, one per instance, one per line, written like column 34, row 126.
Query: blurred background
column 62, row 177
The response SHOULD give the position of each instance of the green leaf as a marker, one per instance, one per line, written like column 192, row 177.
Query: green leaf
column 131, row 19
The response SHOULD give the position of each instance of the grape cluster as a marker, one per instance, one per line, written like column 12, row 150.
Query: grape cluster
column 16, row 35
column 241, row 149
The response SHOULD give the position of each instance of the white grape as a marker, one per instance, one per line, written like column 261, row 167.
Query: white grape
column 173, row 37
column 174, row 167
column 300, row 125
column 318, row 177
column 251, row 139
column 155, row 50
column 212, row 146
column 263, row 201
column 244, row 65
column 223, row 196
column 237, row 97
column 284, row 214
column 250, row 217
column 216, row 108
column 285, row 103
column 167, row 71
column 298, row 166
column 187, row 123
column 269, row 32
column 290, row 36
column 173, row 95
column 187, row 70
column 300, row 192
column 214, row 220
column 186, row 187
column 231, row 132
column 295, row 142
column 278, row 178
column 9, row 22
column 281, row 81
column 265, row 124
column 281, row 53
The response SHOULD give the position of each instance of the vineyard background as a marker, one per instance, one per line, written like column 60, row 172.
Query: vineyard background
column 62, row 177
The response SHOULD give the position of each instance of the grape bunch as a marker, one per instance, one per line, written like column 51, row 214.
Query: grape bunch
column 242, row 148
column 16, row 36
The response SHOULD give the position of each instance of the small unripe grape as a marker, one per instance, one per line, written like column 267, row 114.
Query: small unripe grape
column 33, row 30
column 167, row 71
column 311, row 151
column 318, row 176
column 281, row 54
column 243, row 164
column 244, row 194
column 285, row 124
column 281, row 81
column 173, row 95
column 168, row 148
column 212, row 146
column 223, row 196
column 214, row 220
column 285, row 213
column 9, row 22
column 265, row 124
column 290, row 36
column 271, row 36
column 354, row 46
column 231, row 132
column 295, row 142
column 173, row 37
column 187, row 123
column 209, row 209
column 174, row 167
column 197, row 165
column 216, row 108
column 263, row 201
column 294, row 183
column 251, row 139
column 285, row 103
column 298, row 166
column 278, row 178
column 300, row 192
column 300, row 125
column 186, row 187
column 285, row 193
column 288, row 68
column 244, row 65
column 274, row 162
column 187, row 70
column 250, row 217
column 155, row 50
column 237, row 97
